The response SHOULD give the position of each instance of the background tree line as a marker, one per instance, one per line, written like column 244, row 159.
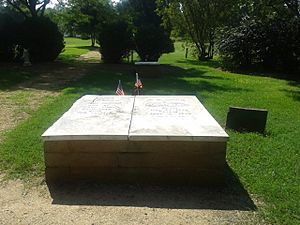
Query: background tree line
column 24, row 26
column 246, row 34
column 130, row 25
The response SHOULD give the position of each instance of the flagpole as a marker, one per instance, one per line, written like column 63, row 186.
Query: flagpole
column 136, row 80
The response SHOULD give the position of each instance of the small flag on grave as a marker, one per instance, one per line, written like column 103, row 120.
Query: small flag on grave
column 119, row 90
column 138, row 83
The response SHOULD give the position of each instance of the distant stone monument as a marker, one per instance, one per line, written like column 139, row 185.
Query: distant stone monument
column 26, row 58
column 136, row 139
column 148, row 69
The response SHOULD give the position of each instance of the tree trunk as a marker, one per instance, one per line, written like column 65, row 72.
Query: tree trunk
column 202, row 53
column 93, row 39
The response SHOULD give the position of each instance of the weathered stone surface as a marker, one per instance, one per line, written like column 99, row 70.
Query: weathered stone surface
column 94, row 118
column 177, row 118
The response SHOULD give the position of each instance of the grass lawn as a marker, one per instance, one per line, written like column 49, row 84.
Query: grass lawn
column 267, row 165
column 74, row 47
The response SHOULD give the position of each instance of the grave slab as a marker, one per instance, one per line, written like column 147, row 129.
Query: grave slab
column 142, row 139
column 177, row 118
column 94, row 118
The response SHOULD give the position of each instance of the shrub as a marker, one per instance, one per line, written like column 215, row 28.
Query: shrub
column 8, row 37
column 151, row 38
column 151, row 42
column 115, row 41
column 273, row 45
column 42, row 39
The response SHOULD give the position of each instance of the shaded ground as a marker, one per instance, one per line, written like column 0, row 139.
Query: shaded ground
column 19, row 101
column 37, row 203
column 111, row 204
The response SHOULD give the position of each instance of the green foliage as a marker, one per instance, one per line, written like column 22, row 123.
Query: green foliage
column 42, row 38
column 266, row 9
column 86, row 17
column 198, row 20
column 8, row 36
column 273, row 45
column 152, row 42
column 115, row 41
column 151, row 38
column 32, row 8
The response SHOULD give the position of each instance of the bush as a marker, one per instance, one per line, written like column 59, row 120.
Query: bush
column 42, row 39
column 272, row 45
column 151, row 42
column 151, row 38
column 115, row 41
column 8, row 37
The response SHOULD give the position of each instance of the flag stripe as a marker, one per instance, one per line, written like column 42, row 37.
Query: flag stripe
column 119, row 90
column 138, row 82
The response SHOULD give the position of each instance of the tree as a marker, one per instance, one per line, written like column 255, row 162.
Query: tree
column 152, row 39
column 29, row 29
column 273, row 45
column 199, row 19
column 42, row 39
column 9, row 26
column 33, row 8
column 115, row 40
column 264, row 10
column 86, row 17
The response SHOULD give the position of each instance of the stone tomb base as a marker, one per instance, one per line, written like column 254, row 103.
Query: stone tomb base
column 143, row 157
column 140, row 162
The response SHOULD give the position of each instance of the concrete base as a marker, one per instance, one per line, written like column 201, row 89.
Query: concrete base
column 151, row 162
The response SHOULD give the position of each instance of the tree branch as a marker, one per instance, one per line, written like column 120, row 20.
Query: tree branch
column 17, row 7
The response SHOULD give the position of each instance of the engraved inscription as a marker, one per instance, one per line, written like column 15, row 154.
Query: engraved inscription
column 102, row 107
column 167, row 108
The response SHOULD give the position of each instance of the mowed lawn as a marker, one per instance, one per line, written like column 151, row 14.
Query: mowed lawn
column 268, row 166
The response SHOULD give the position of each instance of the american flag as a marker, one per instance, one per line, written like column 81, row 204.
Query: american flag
column 119, row 90
column 138, row 82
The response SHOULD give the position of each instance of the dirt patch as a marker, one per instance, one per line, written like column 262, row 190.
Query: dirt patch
column 115, row 204
column 91, row 56
column 18, row 102
column 17, row 106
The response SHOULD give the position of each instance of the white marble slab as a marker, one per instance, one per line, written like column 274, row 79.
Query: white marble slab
column 94, row 118
column 146, row 63
column 140, row 118
column 177, row 118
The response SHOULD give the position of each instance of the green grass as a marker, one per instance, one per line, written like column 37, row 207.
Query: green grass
column 268, row 165
column 9, row 78
column 74, row 47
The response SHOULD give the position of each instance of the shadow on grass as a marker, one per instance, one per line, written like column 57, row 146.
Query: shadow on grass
column 90, row 48
column 210, row 63
column 230, row 197
column 259, row 72
column 294, row 94
column 101, row 78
